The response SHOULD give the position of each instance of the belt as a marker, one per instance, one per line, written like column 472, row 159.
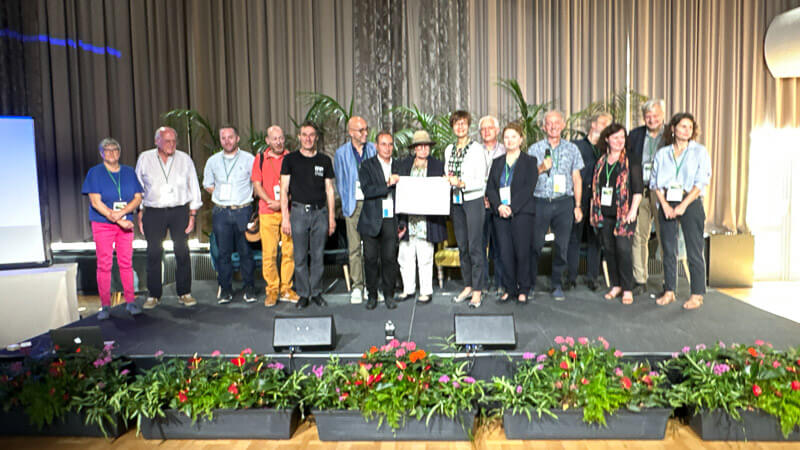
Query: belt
column 232, row 207
column 554, row 199
column 307, row 207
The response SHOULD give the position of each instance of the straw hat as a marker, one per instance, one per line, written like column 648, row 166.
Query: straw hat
column 421, row 137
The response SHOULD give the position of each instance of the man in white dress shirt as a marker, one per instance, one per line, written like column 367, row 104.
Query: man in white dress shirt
column 171, row 201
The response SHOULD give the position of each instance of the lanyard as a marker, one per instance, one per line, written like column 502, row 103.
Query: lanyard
column 675, row 161
column 609, row 171
column 509, row 173
column 166, row 174
column 651, row 147
column 225, row 165
column 555, row 159
column 117, row 184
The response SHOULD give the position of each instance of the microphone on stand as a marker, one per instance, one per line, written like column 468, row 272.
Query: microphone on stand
column 546, row 156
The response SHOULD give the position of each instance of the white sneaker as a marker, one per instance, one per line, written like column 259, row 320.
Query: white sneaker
column 380, row 296
column 355, row 296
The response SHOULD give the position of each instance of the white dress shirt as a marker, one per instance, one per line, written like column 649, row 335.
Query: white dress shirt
column 168, row 185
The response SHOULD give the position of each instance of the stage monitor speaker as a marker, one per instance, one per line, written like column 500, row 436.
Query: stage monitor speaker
column 486, row 330
column 306, row 333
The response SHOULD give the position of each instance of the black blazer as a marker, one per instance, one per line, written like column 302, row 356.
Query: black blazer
column 526, row 173
column 373, row 185
column 436, row 225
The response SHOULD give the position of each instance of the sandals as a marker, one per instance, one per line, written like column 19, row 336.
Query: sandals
column 667, row 298
column 522, row 299
column 473, row 303
column 462, row 296
column 627, row 298
column 504, row 298
column 613, row 293
column 694, row 302
column 424, row 298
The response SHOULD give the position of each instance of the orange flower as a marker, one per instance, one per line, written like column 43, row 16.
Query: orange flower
column 551, row 352
column 373, row 349
column 752, row 351
column 417, row 355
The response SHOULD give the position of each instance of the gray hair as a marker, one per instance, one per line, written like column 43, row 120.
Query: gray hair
column 491, row 118
column 161, row 130
column 652, row 103
column 554, row 111
column 597, row 116
column 108, row 142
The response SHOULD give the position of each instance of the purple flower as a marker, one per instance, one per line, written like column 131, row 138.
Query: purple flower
column 559, row 340
column 108, row 346
column 318, row 370
column 456, row 385
column 583, row 340
column 685, row 349
column 519, row 389
column 469, row 380
column 444, row 379
column 701, row 347
column 278, row 366
column 618, row 372
column 719, row 369
column 541, row 357
column 99, row 362
column 125, row 372
column 159, row 353
column 653, row 374
column 528, row 355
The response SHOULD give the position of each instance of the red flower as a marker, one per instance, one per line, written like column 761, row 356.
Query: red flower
column 52, row 391
column 359, row 382
column 795, row 385
column 182, row 397
column 756, row 390
column 66, row 396
column 400, row 365
column 584, row 381
column 78, row 350
column 238, row 362
column 572, row 354
column 752, row 352
column 647, row 380
column 564, row 365
column 193, row 362
column 233, row 389
column 626, row 382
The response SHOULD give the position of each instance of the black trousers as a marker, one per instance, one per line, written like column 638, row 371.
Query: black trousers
column 468, row 227
column 514, row 239
column 692, row 223
column 156, row 222
column 579, row 230
column 383, row 247
column 618, row 253
column 558, row 216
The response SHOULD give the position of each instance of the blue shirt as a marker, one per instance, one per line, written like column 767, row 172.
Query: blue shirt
column 345, row 166
column 566, row 159
column 101, row 181
column 695, row 168
column 236, row 171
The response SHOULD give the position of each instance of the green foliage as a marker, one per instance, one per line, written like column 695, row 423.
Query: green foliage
column 571, row 375
column 437, row 126
column 193, row 127
column 736, row 377
column 82, row 382
column 328, row 115
column 395, row 382
column 529, row 115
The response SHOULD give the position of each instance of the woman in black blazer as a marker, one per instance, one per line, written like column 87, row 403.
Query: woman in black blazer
column 510, row 191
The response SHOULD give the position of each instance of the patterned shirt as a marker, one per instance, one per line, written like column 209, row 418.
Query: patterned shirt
column 456, row 159
column 566, row 159
column 417, row 227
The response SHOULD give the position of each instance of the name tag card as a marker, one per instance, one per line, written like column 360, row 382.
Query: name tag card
column 505, row 195
column 559, row 183
column 359, row 192
column 646, row 169
column 606, row 195
column 277, row 191
column 224, row 191
column 675, row 193
column 168, row 194
column 119, row 206
column 388, row 208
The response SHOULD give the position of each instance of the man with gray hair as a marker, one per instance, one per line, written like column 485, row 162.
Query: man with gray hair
column 643, row 144
column 588, row 148
column 558, row 195
column 171, row 201
column 490, row 128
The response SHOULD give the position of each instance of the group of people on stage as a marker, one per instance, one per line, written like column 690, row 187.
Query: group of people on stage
column 606, row 189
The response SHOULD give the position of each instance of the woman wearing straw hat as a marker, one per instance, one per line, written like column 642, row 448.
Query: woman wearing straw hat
column 418, row 234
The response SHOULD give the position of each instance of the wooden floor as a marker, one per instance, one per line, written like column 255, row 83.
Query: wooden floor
column 678, row 437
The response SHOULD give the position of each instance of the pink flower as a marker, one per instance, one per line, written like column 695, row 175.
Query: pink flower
column 685, row 349
column 675, row 355
column 400, row 377
column 247, row 351
column 776, row 364
column 159, row 353
column 759, row 342
column 617, row 353
column 394, row 343
column 564, row 348
column 541, row 357
column 528, row 355
column 583, row 340
column 216, row 353
column 456, row 385
column 559, row 340
column 721, row 344
column 410, row 346
column 469, row 380
column 701, row 347
column 605, row 345
column 399, row 353
column 584, row 381
column 564, row 365
column 558, row 385
column 540, row 367
column 343, row 396
column 444, row 379
column 519, row 389
column 618, row 372
column 125, row 372
column 570, row 341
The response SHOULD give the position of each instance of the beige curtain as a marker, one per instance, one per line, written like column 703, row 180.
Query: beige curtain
column 701, row 56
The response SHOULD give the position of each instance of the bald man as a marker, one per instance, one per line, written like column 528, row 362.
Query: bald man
column 346, row 165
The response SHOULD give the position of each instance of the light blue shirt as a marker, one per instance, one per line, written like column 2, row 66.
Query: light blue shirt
column 566, row 159
column 236, row 171
column 345, row 167
column 695, row 168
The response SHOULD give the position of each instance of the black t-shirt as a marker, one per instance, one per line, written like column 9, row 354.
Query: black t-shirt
column 307, row 177
column 635, row 184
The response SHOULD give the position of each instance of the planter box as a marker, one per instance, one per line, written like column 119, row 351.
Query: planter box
column 260, row 423
column 717, row 425
column 352, row 426
column 16, row 423
column 623, row 424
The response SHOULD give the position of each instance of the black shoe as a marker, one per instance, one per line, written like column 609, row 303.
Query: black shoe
column 302, row 303
column 639, row 289
column 390, row 304
column 569, row 284
column 225, row 297
column 319, row 300
column 591, row 285
column 249, row 294
column 372, row 302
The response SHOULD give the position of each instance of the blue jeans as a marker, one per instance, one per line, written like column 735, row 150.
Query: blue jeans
column 228, row 226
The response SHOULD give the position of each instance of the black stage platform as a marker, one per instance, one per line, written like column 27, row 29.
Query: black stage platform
column 642, row 328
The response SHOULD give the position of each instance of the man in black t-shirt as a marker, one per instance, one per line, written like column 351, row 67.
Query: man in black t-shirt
column 307, row 184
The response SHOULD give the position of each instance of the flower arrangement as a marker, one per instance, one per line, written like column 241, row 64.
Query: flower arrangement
column 578, row 373
column 85, row 382
column 739, row 377
column 394, row 382
column 198, row 386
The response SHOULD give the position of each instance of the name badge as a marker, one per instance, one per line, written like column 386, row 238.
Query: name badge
column 119, row 206
column 457, row 199
column 319, row 171
column 606, row 194
column 359, row 192
column 277, row 191
column 675, row 193
column 559, row 183
column 224, row 191
column 505, row 195
column 646, row 168
column 168, row 194
column 388, row 208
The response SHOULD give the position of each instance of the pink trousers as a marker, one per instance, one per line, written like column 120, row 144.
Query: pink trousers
column 107, row 238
